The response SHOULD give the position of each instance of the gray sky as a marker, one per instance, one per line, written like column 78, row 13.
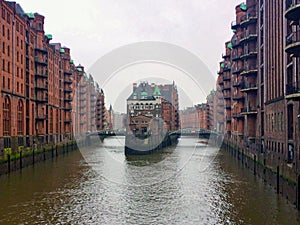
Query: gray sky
column 93, row 28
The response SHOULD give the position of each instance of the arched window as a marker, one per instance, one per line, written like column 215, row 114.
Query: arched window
column 137, row 106
column 20, row 118
column 6, row 116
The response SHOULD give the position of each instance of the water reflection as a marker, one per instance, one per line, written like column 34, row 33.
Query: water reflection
column 68, row 191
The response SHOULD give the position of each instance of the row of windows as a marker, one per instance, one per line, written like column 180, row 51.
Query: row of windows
column 7, row 117
column 6, row 83
column 275, row 122
column 7, row 16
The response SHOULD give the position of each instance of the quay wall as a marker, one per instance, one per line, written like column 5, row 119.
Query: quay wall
column 18, row 161
column 284, row 185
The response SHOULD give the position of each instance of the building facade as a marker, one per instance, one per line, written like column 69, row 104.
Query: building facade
column 149, row 102
column 261, row 89
column 42, row 91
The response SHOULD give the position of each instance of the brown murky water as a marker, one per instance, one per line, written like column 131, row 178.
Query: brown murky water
column 184, row 185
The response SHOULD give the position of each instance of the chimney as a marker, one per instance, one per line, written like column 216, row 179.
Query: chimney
column 134, row 86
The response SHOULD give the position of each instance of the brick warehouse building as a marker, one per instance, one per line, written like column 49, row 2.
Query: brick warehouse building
column 263, row 87
column 43, row 94
column 149, row 101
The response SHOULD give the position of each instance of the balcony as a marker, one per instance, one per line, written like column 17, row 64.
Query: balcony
column 226, row 55
column 293, row 44
column 250, row 70
column 68, row 72
column 235, row 42
column 293, row 91
column 247, row 87
column 68, row 107
column 249, row 18
column 227, row 67
column 238, row 97
column 292, row 10
column 42, row 75
column 236, row 83
column 221, row 82
column 228, row 105
column 227, row 77
column 235, row 55
column 41, row 99
column 41, row 61
column 68, row 120
column 249, row 54
column 68, row 99
column 237, row 115
column 234, row 25
column 227, row 95
column 248, row 36
column 41, row 87
column 249, row 111
column 68, row 81
column 237, row 69
column 68, row 89
column 41, row 49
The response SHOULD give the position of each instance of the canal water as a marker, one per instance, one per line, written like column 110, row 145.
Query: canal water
column 186, row 184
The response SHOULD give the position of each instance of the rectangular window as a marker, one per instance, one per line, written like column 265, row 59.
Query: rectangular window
column 8, row 18
column 8, row 83
column 3, row 47
column 3, row 31
column 8, row 50
column 3, row 13
column 8, row 67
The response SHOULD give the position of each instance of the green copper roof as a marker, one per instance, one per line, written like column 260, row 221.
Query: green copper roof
column 229, row 46
column 62, row 50
column 71, row 61
column 156, row 91
column 79, row 69
column 49, row 36
column 30, row 15
column 134, row 94
column 222, row 65
column 85, row 77
column 234, row 30
column 243, row 6
column 144, row 94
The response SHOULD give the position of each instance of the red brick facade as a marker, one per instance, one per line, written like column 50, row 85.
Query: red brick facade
column 260, row 111
column 39, row 102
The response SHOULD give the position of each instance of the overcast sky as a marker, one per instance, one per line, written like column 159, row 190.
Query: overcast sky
column 93, row 28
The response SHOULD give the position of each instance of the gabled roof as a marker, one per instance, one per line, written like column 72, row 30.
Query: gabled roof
column 143, row 92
